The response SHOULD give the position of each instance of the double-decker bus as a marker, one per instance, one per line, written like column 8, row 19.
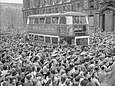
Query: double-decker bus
column 72, row 27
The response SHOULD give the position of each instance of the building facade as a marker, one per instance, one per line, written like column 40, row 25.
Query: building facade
column 101, row 13
column 107, row 15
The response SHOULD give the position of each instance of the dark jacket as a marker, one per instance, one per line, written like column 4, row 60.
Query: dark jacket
column 84, row 82
column 28, row 84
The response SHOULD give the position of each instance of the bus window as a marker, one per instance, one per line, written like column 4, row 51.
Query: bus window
column 36, row 37
column 48, row 20
column 42, row 20
column 62, row 20
column 54, row 40
column 47, row 40
column 55, row 20
column 83, row 20
column 82, row 41
column 32, row 36
column 36, row 21
column 41, row 38
column 75, row 19
column 30, row 20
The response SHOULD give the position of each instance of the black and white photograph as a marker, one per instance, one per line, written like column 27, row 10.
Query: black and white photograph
column 57, row 42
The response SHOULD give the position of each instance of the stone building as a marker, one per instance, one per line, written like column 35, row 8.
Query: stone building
column 107, row 15
column 101, row 13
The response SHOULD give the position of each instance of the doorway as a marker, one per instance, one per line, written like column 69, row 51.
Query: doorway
column 103, row 22
column 107, row 21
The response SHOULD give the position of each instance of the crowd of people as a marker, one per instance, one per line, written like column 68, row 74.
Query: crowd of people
column 26, row 63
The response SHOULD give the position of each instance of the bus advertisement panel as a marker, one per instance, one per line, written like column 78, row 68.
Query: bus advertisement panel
column 60, row 30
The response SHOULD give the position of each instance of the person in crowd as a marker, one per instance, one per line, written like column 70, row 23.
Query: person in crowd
column 30, row 63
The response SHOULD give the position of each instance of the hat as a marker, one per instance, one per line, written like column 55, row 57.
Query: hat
column 64, row 75
column 28, row 76
column 54, row 55
column 39, row 74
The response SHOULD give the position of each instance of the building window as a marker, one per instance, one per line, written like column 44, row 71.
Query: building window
column 28, row 4
column 64, row 8
column 45, row 2
column 48, row 2
column 91, row 3
column 34, row 12
column 42, row 3
column 59, row 1
column 53, row 10
column 68, row 0
column 43, row 11
column 78, row 5
column 73, row 7
column 91, row 20
column 51, row 2
column 56, row 1
column 27, row 13
column 60, row 9
column 40, row 11
column 49, row 10
column 37, row 12
column 68, row 8
column 56, row 9
column 65, row 1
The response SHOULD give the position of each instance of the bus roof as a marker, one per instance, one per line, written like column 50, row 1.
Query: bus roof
column 59, row 14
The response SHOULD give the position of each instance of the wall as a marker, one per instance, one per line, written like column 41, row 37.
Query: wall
column 11, row 14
